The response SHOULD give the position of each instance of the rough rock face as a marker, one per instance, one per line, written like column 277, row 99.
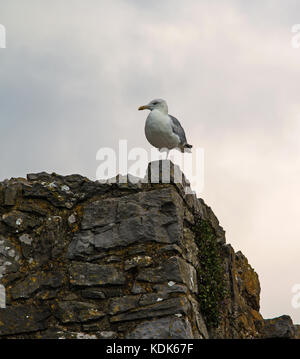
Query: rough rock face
column 83, row 259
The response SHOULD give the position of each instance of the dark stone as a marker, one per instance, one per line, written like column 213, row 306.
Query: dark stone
column 20, row 221
column 31, row 206
column 97, row 326
column 11, row 194
column 281, row 327
column 137, row 289
column 106, row 224
column 144, row 242
column 58, row 194
column 90, row 189
column 113, row 291
column 75, row 181
column 81, row 245
column 163, row 328
column 170, row 288
column 174, row 269
column 93, row 293
column 119, row 305
column 59, row 333
column 178, row 305
column 99, row 213
column 248, row 283
column 87, row 274
column 200, row 322
column 174, row 248
column 22, row 319
column 41, row 176
column 297, row 331
column 46, row 294
column 137, row 262
column 152, row 298
column 9, row 257
column 33, row 283
column 76, row 312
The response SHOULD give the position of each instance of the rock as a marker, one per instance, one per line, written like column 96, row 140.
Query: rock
column 179, row 305
column 152, row 298
column 34, row 283
column 81, row 245
column 123, row 304
column 20, row 221
column 149, row 216
column 58, row 333
column 23, row 319
column 248, row 281
column 93, row 293
column 99, row 213
column 52, row 189
column 108, row 335
column 297, row 331
column 281, row 327
column 200, row 322
column 72, row 219
column 139, row 261
column 171, row 287
column 11, row 194
column 162, row 328
column 30, row 206
column 41, row 176
column 76, row 312
column 137, row 289
column 25, row 238
column 86, row 274
column 89, row 260
column 9, row 257
column 174, row 269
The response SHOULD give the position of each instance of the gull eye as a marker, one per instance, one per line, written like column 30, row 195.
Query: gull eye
column 154, row 103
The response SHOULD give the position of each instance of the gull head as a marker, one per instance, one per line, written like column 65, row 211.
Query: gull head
column 157, row 104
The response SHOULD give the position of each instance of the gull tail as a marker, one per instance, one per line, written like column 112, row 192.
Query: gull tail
column 187, row 148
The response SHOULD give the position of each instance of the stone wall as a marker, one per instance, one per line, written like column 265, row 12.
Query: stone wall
column 83, row 259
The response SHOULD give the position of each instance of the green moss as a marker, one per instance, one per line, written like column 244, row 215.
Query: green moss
column 211, row 280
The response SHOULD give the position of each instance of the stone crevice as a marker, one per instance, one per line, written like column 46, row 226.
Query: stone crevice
column 83, row 259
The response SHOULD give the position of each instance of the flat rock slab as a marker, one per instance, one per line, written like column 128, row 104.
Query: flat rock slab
column 33, row 283
column 179, row 306
column 23, row 319
column 163, row 328
column 280, row 327
column 88, row 274
column 118, row 222
column 76, row 312
column 174, row 269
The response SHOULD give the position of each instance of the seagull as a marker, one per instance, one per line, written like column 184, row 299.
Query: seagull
column 162, row 130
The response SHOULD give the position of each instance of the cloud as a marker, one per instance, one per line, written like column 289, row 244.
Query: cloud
column 74, row 73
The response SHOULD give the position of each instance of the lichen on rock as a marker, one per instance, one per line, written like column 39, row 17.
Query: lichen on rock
column 86, row 260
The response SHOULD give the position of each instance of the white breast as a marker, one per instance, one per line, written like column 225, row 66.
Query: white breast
column 158, row 131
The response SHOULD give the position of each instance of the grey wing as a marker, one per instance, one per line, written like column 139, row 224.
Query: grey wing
column 178, row 130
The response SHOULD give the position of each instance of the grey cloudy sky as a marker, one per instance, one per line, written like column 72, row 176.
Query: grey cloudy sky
column 75, row 71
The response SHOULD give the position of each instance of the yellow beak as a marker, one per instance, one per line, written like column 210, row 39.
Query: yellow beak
column 143, row 108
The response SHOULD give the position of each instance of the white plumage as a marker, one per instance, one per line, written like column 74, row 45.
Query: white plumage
column 159, row 132
column 162, row 130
